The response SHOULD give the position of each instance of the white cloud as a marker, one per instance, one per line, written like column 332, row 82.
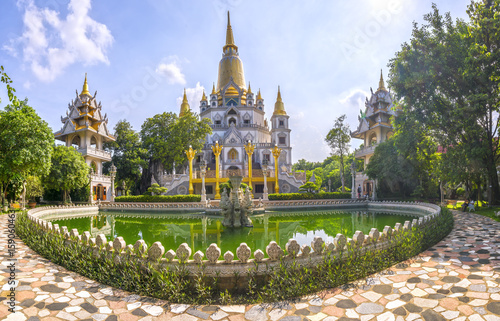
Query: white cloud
column 172, row 72
column 50, row 44
column 193, row 96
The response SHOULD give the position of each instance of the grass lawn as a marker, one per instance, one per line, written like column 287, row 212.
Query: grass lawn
column 481, row 210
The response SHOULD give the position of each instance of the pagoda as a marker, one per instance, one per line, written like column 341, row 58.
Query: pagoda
column 85, row 128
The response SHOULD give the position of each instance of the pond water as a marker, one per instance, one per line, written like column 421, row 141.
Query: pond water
column 199, row 231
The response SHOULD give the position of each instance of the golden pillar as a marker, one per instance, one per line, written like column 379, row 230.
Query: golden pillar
column 276, row 154
column 249, row 148
column 190, row 155
column 217, row 149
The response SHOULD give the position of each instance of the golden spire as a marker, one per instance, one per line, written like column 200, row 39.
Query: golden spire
column 213, row 90
column 229, row 34
column 258, row 95
column 381, row 82
column 279, row 106
column 203, row 98
column 249, row 88
column 85, row 90
column 184, row 105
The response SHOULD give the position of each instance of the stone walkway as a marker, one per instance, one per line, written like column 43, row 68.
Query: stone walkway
column 458, row 279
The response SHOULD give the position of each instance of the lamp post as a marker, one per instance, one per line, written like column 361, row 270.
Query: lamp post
column 353, row 174
column 24, row 194
column 217, row 149
column 203, row 171
column 276, row 154
column 249, row 148
column 190, row 155
column 112, row 171
column 264, row 172
column 91, row 198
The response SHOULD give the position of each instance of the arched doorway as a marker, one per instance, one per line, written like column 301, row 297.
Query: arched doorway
column 99, row 192
column 232, row 155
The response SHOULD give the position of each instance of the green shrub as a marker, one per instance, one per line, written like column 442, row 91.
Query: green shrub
column 158, row 198
column 460, row 192
column 308, row 196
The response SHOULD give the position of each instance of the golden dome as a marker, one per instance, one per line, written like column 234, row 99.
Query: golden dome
column 381, row 85
column 184, row 105
column 279, row 106
column 231, row 91
column 85, row 90
column 230, row 66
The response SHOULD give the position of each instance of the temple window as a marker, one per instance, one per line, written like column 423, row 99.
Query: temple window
column 93, row 142
column 282, row 140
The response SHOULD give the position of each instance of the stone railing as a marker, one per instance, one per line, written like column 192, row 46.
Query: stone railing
column 241, row 263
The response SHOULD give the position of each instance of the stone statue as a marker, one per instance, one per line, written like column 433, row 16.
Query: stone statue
column 236, row 207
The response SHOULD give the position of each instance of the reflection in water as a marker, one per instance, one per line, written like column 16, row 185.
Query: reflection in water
column 201, row 231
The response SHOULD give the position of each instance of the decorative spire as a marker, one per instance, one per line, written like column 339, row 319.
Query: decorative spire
column 203, row 98
column 184, row 105
column 381, row 85
column 85, row 90
column 213, row 90
column 279, row 106
column 258, row 95
column 249, row 91
column 229, row 34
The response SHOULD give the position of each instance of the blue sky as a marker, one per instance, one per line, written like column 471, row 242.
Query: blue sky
column 140, row 55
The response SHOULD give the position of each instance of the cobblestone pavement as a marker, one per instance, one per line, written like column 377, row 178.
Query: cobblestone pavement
column 458, row 279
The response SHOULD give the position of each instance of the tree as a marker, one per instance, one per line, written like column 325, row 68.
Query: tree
column 155, row 189
column 25, row 144
column 339, row 139
column 127, row 154
column 446, row 79
column 308, row 187
column 34, row 188
column 166, row 136
column 68, row 171
column 10, row 90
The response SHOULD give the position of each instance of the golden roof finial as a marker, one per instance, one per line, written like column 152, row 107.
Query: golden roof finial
column 203, row 98
column 85, row 90
column 213, row 90
column 258, row 95
column 184, row 105
column 279, row 106
column 381, row 85
column 229, row 34
column 249, row 88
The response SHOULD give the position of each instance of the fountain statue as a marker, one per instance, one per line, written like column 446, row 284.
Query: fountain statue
column 237, row 206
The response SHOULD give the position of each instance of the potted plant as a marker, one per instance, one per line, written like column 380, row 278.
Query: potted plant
column 34, row 189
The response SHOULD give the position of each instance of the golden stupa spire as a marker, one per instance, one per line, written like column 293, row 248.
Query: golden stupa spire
column 279, row 106
column 381, row 85
column 213, row 90
column 229, row 34
column 85, row 90
column 184, row 105
column 258, row 95
column 249, row 88
column 203, row 98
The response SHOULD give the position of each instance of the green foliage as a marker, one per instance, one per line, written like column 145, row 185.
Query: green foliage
column 26, row 144
column 309, row 187
column 159, row 198
column 303, row 165
column 34, row 187
column 229, row 186
column 155, row 189
column 287, row 281
column 339, row 138
column 460, row 192
column 68, row 171
column 128, row 155
column 446, row 81
column 166, row 137
column 308, row 196
column 10, row 90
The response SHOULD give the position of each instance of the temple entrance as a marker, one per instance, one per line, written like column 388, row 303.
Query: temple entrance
column 99, row 192
column 367, row 188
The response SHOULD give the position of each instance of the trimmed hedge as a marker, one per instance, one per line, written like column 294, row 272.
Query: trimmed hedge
column 308, row 196
column 159, row 198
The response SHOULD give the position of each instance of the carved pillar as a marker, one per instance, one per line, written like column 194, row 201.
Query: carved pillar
column 203, row 171
column 276, row 154
column 190, row 155
column 112, row 171
column 264, row 172
column 249, row 148
column 217, row 149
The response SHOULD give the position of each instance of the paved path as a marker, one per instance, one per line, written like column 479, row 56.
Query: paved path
column 458, row 279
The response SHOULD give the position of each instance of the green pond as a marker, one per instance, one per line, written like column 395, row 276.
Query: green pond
column 199, row 231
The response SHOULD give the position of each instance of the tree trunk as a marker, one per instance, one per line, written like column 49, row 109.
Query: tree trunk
column 342, row 173
column 492, row 180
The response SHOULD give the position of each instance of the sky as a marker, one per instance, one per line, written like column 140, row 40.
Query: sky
column 140, row 55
